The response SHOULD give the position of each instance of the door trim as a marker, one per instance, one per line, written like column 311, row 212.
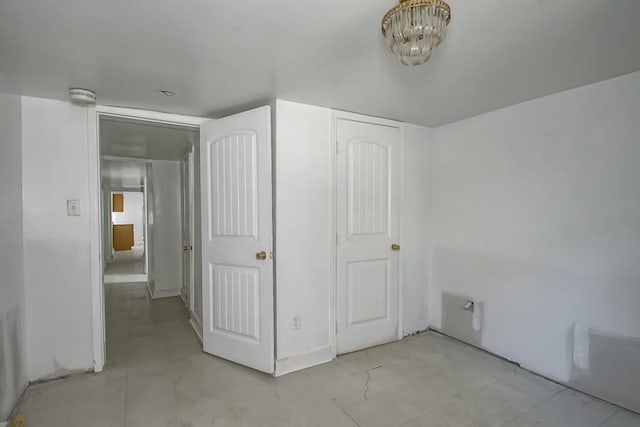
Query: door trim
column 333, row 288
column 96, row 214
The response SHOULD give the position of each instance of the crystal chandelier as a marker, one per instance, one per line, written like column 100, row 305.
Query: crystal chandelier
column 414, row 28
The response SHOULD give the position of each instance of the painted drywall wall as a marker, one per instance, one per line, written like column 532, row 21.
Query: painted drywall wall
column 133, row 213
column 415, row 233
column 165, row 229
column 13, row 372
column 302, row 202
column 56, row 246
column 304, row 194
column 536, row 214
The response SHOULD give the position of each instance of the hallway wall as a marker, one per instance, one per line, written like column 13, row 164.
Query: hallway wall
column 13, row 371
column 56, row 246
column 165, row 229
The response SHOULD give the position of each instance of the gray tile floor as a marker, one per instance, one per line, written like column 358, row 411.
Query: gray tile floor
column 158, row 376
column 126, row 262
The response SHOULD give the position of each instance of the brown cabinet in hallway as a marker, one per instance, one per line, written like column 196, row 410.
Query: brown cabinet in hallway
column 122, row 237
column 118, row 203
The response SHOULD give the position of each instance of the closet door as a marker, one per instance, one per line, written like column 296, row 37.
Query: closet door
column 368, row 190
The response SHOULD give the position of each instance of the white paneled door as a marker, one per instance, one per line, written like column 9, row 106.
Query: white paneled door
column 237, row 266
column 368, row 190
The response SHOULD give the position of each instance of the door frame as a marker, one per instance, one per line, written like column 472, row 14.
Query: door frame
column 333, row 288
column 96, row 213
column 187, row 186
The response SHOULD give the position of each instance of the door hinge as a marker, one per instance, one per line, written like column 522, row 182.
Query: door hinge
column 337, row 239
column 336, row 147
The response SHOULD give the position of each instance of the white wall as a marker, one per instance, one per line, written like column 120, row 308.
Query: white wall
column 13, row 372
column 536, row 213
column 303, row 200
column 415, row 234
column 165, row 229
column 56, row 246
column 133, row 214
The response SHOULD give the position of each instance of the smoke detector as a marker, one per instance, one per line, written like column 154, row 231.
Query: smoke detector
column 82, row 96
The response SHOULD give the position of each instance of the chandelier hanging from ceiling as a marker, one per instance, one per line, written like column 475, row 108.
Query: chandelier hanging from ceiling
column 413, row 28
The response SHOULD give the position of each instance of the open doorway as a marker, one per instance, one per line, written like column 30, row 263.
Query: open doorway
column 231, row 234
column 127, row 233
column 150, row 207
column 124, row 221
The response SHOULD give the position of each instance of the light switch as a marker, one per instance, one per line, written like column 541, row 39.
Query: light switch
column 73, row 207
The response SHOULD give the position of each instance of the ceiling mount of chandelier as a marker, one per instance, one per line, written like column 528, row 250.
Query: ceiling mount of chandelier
column 414, row 28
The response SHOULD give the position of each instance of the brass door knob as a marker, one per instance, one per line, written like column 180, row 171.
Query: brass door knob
column 261, row 256
column 395, row 247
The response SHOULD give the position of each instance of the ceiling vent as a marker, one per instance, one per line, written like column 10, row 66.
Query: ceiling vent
column 82, row 96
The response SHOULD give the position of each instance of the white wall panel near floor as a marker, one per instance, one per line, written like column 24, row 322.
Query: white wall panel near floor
column 303, row 240
column 166, row 229
column 536, row 214
column 13, row 370
column 56, row 246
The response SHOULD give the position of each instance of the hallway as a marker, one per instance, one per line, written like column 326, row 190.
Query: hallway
column 158, row 376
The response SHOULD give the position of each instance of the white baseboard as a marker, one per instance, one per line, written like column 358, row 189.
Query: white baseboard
column 165, row 293
column 305, row 360
column 196, row 324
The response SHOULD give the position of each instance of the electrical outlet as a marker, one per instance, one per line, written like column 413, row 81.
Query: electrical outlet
column 296, row 323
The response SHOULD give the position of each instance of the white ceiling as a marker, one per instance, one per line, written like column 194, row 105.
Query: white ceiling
column 144, row 140
column 223, row 56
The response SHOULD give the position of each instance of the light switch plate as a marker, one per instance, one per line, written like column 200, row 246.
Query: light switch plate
column 73, row 207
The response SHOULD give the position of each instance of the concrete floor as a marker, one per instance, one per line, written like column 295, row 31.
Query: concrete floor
column 158, row 376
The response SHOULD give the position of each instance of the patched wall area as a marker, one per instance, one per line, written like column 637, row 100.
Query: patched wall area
column 57, row 261
column 607, row 366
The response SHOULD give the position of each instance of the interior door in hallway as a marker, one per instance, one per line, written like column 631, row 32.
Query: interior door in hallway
column 237, row 266
column 368, row 190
